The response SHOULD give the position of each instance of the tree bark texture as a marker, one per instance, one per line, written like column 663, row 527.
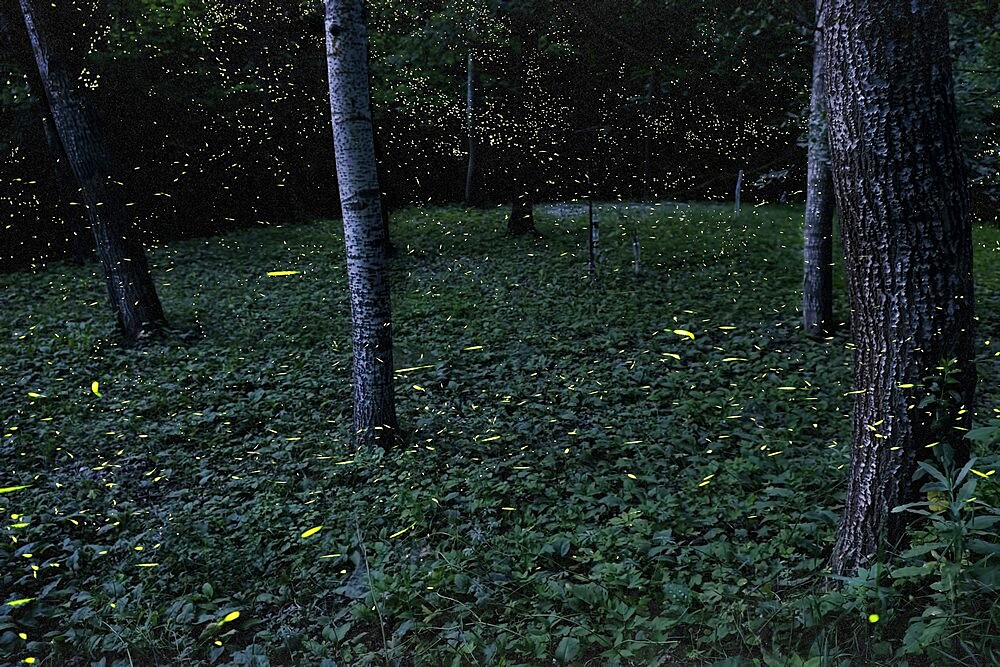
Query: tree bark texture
column 364, row 233
column 817, row 282
column 130, row 286
column 901, row 190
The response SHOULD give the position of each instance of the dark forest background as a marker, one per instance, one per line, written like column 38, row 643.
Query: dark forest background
column 217, row 116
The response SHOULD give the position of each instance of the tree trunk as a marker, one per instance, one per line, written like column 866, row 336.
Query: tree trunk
column 390, row 248
column 901, row 189
column 522, row 219
column 129, row 283
column 364, row 233
column 470, row 130
column 16, row 41
column 817, row 283
column 652, row 86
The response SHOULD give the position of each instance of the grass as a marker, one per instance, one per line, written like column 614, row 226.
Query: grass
column 602, row 469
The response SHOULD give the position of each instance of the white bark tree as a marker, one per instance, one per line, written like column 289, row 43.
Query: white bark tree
column 364, row 233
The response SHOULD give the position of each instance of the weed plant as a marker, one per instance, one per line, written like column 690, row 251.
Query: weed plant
column 598, row 470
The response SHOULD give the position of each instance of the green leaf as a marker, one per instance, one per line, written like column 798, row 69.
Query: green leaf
column 568, row 649
column 935, row 473
column 981, row 522
column 984, row 435
column 902, row 572
column 965, row 470
column 985, row 548
column 922, row 549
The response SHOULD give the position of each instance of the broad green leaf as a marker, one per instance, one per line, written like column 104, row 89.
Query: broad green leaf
column 568, row 649
column 985, row 548
column 984, row 434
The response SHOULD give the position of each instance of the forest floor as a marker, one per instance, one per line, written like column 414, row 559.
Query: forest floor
column 602, row 469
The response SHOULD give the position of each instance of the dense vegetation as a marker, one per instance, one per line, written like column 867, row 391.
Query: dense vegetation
column 608, row 469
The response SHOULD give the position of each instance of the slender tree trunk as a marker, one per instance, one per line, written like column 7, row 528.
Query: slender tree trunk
column 647, row 138
column 129, row 283
column 390, row 248
column 817, row 283
column 470, row 130
column 364, row 232
column 522, row 219
column 901, row 189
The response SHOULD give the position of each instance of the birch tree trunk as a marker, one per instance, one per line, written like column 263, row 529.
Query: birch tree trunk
column 364, row 232
column 129, row 283
column 817, row 282
column 901, row 189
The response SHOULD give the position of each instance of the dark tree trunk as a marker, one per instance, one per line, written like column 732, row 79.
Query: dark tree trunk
column 81, row 239
column 471, row 198
column 16, row 41
column 522, row 219
column 364, row 231
column 129, row 283
column 901, row 190
column 391, row 251
column 390, row 248
column 817, row 283
column 647, row 137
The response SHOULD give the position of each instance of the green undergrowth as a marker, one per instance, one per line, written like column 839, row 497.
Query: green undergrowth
column 603, row 469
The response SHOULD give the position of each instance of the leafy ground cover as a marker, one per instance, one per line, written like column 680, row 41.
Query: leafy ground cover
column 608, row 469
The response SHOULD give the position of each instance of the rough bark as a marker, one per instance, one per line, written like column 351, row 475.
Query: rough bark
column 129, row 283
column 364, row 233
column 817, row 282
column 901, row 190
